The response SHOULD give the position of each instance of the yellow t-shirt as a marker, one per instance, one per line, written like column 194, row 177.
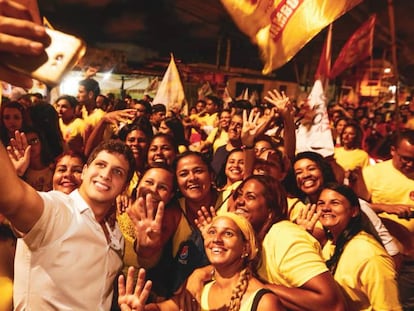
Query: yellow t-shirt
column 295, row 205
column 93, row 118
column 389, row 186
column 72, row 130
column 351, row 159
column 127, row 228
column 206, row 119
column 219, row 141
column 290, row 256
column 226, row 195
column 366, row 274
column 6, row 294
column 184, row 230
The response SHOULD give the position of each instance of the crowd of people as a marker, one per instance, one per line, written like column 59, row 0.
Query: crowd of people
column 215, row 209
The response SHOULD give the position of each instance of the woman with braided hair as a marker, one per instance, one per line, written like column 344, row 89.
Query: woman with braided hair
column 232, row 249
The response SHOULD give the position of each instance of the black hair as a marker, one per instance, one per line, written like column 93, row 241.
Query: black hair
column 73, row 102
column 4, row 135
column 221, row 178
column 406, row 134
column 177, row 128
column 159, row 108
column 357, row 224
column 91, row 85
column 139, row 124
column 275, row 197
column 45, row 122
column 357, row 143
column 115, row 146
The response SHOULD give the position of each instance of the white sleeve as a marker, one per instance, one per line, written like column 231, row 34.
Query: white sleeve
column 387, row 240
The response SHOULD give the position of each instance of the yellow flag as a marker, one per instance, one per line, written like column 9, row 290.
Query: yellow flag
column 282, row 27
column 171, row 91
column 46, row 23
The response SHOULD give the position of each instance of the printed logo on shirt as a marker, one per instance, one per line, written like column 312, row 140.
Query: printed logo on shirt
column 183, row 254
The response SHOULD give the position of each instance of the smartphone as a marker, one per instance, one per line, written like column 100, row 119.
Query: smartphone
column 58, row 58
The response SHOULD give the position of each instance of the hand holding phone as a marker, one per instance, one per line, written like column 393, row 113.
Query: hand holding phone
column 23, row 35
column 57, row 59
column 29, row 50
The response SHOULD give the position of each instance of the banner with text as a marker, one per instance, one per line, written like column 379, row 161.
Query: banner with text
column 313, row 130
column 282, row 27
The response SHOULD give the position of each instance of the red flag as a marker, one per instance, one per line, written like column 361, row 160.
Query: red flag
column 282, row 27
column 324, row 66
column 357, row 48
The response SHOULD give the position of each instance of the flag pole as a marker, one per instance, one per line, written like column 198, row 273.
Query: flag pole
column 394, row 60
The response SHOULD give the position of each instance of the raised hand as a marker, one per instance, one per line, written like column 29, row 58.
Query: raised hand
column 204, row 219
column 307, row 218
column 120, row 116
column 146, row 215
column 279, row 100
column 252, row 127
column 19, row 152
column 130, row 298
column 122, row 203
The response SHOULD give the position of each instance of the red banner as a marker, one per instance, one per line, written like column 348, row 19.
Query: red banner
column 357, row 48
column 324, row 66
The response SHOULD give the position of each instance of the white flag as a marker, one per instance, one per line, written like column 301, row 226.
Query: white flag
column 170, row 91
column 314, row 132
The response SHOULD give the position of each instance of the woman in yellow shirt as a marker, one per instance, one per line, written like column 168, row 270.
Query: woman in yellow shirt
column 231, row 247
column 358, row 261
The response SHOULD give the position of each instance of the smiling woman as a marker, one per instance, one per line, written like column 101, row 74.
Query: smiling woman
column 68, row 171
column 359, row 263
column 232, row 249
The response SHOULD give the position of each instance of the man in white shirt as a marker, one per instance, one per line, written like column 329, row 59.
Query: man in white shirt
column 68, row 253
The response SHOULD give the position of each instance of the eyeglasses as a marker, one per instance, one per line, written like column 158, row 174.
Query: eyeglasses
column 33, row 141
column 405, row 159
column 236, row 125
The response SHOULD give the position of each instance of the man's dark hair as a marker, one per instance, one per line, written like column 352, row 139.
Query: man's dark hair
column 159, row 108
column 115, row 146
column 406, row 134
column 91, row 85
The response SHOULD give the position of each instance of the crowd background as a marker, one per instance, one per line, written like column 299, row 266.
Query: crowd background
column 217, row 146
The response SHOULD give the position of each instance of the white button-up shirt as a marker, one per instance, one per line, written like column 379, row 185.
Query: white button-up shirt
column 65, row 262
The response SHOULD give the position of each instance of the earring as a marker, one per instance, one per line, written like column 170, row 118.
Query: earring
column 244, row 255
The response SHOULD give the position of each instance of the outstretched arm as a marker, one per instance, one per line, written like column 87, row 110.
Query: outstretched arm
column 283, row 106
column 252, row 128
column 113, row 117
column 319, row 293
column 19, row 202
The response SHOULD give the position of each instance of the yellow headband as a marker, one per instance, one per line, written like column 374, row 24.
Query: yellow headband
column 246, row 229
